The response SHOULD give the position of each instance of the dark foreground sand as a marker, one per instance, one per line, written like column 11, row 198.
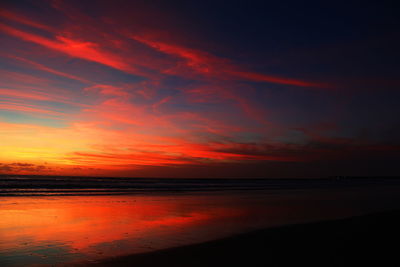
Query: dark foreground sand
column 371, row 239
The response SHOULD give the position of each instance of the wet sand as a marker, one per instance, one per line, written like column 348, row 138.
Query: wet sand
column 357, row 241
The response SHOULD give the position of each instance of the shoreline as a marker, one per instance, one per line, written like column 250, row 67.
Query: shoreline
column 355, row 241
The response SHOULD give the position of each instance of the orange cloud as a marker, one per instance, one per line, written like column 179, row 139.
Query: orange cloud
column 192, row 108
column 23, row 107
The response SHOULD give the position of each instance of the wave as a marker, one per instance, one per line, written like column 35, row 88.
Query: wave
column 18, row 185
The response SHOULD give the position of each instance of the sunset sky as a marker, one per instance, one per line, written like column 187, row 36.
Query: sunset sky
column 199, row 88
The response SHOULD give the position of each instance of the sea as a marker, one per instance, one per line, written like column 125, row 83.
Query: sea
column 61, row 221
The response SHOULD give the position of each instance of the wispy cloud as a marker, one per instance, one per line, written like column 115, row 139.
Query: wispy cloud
column 134, row 98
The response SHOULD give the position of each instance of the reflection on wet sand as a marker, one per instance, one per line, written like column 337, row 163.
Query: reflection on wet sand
column 63, row 229
column 49, row 230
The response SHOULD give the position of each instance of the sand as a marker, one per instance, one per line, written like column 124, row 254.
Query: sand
column 358, row 241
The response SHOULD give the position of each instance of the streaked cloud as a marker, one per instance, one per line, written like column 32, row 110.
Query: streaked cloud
column 135, row 98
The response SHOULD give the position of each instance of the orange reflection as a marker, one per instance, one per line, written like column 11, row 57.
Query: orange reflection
column 93, row 226
column 51, row 230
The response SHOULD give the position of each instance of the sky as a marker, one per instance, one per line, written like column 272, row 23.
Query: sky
column 214, row 89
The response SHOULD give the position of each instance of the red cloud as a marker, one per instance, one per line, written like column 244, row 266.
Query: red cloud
column 75, row 48
column 50, row 70
column 23, row 19
column 21, row 107
column 209, row 65
column 23, row 94
column 201, row 119
column 251, row 76
column 110, row 90
column 8, row 77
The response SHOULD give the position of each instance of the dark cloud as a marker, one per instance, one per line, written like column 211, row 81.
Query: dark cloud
column 17, row 167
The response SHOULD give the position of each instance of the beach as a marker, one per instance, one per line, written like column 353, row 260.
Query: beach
column 357, row 241
column 199, row 133
column 68, row 221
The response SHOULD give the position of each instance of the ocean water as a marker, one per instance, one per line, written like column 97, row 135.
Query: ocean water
column 14, row 185
column 59, row 221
